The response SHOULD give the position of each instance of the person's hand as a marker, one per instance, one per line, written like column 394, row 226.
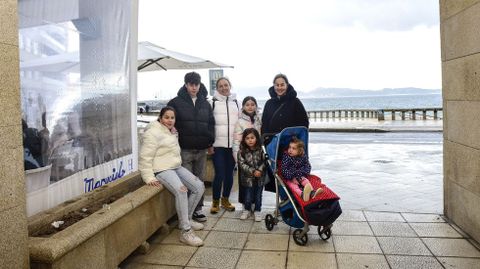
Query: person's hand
column 210, row 151
column 257, row 173
column 155, row 183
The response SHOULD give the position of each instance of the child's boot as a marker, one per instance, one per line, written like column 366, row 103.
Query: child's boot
column 245, row 214
column 317, row 192
column 227, row 205
column 215, row 206
column 307, row 191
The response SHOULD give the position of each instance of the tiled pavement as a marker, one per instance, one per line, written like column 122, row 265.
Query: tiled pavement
column 361, row 239
column 399, row 226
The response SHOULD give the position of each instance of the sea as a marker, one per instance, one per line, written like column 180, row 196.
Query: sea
column 370, row 102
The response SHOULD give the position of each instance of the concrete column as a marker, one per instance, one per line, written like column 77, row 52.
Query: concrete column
column 461, row 103
column 424, row 115
column 393, row 114
column 13, row 216
column 403, row 115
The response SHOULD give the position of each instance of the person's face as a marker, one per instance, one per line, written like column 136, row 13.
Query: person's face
column 280, row 86
column 223, row 87
column 168, row 119
column 192, row 89
column 250, row 107
column 250, row 140
column 293, row 150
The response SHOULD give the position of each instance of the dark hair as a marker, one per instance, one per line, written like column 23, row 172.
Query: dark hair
column 246, row 132
column 281, row 76
column 164, row 110
column 192, row 78
column 300, row 145
column 225, row 78
column 248, row 98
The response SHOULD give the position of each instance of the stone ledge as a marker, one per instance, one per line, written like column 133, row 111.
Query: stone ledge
column 122, row 228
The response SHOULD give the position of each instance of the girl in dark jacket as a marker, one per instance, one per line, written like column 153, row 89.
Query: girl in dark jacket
column 251, row 164
column 283, row 109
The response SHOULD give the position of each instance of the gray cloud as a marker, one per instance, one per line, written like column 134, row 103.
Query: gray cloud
column 389, row 15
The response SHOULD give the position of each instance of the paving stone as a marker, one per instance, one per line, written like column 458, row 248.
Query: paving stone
column 435, row 230
column 210, row 223
column 356, row 244
column 207, row 257
column 414, row 217
column 264, row 259
column 451, row 247
column 459, row 263
column 314, row 244
column 311, row 260
column 149, row 266
column 409, row 262
column 403, row 246
column 174, row 237
column 280, row 228
column 361, row 261
column 352, row 215
column 384, row 216
column 351, row 228
column 226, row 239
column 167, row 255
column 277, row 242
column 392, row 229
column 233, row 225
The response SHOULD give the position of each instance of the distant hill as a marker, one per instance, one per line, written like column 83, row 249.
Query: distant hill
column 339, row 92
column 261, row 93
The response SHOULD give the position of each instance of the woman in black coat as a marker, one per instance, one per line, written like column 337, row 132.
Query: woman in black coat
column 283, row 110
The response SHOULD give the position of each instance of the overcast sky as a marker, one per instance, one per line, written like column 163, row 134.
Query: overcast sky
column 361, row 44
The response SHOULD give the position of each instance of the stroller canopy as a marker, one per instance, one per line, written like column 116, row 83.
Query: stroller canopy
column 280, row 142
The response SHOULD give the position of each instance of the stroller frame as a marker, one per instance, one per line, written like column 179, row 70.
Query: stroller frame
column 300, row 234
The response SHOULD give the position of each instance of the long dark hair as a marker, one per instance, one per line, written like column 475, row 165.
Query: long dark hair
column 243, row 145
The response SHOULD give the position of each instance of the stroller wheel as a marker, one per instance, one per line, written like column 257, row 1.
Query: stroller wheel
column 325, row 232
column 298, row 238
column 269, row 222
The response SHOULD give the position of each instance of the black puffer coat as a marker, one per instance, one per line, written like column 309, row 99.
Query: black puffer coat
column 284, row 111
column 195, row 123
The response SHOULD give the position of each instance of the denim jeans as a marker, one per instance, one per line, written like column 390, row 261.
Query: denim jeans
column 224, row 164
column 253, row 194
column 194, row 160
column 185, row 204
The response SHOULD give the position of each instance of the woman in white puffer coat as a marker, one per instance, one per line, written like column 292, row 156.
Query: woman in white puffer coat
column 226, row 112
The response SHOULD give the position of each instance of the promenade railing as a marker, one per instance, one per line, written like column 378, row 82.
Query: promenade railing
column 435, row 113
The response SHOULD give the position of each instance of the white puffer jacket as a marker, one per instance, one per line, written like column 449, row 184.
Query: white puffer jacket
column 226, row 112
column 160, row 151
column 244, row 122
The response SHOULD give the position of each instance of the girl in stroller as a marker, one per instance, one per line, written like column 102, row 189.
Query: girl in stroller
column 251, row 165
column 296, row 168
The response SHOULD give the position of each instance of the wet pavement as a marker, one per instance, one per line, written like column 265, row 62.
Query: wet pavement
column 391, row 189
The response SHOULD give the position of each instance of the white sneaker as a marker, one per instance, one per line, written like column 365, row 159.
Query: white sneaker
column 189, row 238
column 245, row 214
column 258, row 216
column 196, row 226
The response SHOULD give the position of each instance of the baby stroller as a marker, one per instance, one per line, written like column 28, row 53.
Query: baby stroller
column 320, row 211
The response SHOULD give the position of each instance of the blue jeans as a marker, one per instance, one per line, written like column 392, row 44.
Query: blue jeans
column 185, row 204
column 194, row 160
column 224, row 164
column 253, row 194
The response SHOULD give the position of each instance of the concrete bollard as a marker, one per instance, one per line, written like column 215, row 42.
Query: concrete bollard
column 381, row 115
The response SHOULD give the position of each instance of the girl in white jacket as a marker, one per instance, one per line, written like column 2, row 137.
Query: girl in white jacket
column 160, row 164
